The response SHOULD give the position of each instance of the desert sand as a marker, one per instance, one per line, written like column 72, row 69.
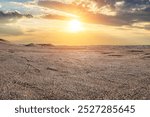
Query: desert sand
column 66, row 72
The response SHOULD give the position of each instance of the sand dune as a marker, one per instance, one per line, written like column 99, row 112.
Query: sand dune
column 89, row 72
column 39, row 45
column 4, row 41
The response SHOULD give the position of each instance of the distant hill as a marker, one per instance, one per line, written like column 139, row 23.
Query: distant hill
column 41, row 45
column 3, row 41
column 46, row 45
column 30, row 45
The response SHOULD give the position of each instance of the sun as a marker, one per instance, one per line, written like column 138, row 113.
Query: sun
column 75, row 25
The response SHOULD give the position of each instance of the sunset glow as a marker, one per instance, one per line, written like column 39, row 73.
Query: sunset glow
column 75, row 22
column 75, row 26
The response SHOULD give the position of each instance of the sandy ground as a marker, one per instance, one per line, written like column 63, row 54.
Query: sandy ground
column 95, row 72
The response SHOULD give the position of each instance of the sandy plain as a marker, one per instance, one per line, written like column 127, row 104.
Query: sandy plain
column 66, row 72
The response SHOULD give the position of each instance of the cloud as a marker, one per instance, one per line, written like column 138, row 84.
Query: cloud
column 28, row 8
column 147, row 27
column 70, row 8
column 16, row 0
column 9, row 17
column 58, row 17
column 10, row 30
column 107, row 12
column 24, row 8
column 83, row 13
column 143, row 25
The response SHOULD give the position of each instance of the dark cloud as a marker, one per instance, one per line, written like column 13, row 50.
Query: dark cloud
column 8, row 17
column 131, row 3
column 127, row 11
column 135, row 2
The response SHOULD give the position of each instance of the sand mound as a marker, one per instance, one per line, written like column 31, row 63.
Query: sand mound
column 3, row 41
column 39, row 45
column 30, row 45
column 46, row 45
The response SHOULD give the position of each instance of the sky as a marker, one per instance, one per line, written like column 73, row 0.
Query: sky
column 76, row 22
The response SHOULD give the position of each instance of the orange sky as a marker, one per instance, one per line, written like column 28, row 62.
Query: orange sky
column 48, row 24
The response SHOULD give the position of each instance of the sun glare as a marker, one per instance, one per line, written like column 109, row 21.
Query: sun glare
column 75, row 26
